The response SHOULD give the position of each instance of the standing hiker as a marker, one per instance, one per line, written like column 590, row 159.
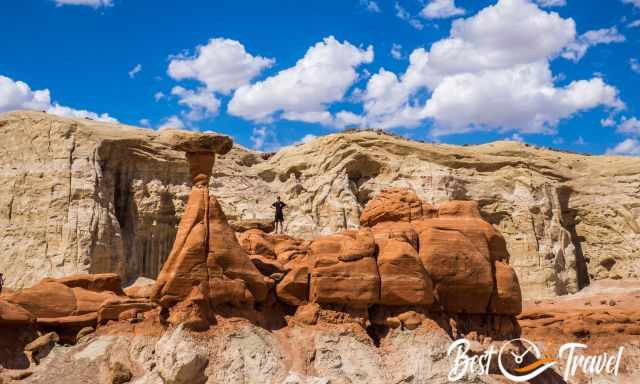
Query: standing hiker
column 279, row 206
column 1, row 282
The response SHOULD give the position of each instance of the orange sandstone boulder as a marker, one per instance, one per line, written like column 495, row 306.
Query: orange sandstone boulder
column 266, row 226
column 401, row 231
column 256, row 242
column 403, row 279
column 48, row 298
column 226, row 260
column 344, row 269
column 111, row 309
column 507, row 298
column 462, row 277
column 287, row 249
column 206, row 252
column 12, row 314
column 459, row 208
column 395, row 204
column 187, row 262
column 293, row 289
column 98, row 282
column 52, row 299
column 483, row 237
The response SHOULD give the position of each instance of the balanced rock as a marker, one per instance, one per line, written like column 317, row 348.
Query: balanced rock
column 206, row 252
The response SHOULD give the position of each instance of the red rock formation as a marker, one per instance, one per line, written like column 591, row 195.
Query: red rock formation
column 403, row 279
column 462, row 277
column 12, row 314
column 344, row 269
column 395, row 204
column 206, row 253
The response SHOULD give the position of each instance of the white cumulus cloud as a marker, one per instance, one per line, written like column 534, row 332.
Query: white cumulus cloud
column 222, row 65
column 172, row 122
column 492, row 72
column 441, row 9
column 578, row 48
column 630, row 126
column 16, row 95
column 551, row 3
column 629, row 147
column 90, row 3
column 202, row 104
column 303, row 92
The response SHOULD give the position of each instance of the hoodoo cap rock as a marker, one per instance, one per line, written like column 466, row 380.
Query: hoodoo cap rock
column 196, row 142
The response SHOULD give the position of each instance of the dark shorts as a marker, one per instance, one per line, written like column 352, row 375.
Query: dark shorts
column 279, row 218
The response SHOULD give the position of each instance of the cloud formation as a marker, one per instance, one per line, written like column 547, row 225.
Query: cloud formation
column 441, row 9
column 629, row 147
column 492, row 72
column 577, row 49
column 89, row 3
column 551, row 3
column 16, row 95
column 222, row 65
column 370, row 6
column 202, row 104
column 303, row 92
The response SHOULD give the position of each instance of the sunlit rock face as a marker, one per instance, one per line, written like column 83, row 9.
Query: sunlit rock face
column 83, row 196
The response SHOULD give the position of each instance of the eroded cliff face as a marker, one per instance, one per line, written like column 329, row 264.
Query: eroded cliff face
column 82, row 196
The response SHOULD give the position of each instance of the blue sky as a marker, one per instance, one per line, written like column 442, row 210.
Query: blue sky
column 559, row 73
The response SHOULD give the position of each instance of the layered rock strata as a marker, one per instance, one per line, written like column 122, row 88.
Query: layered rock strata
column 80, row 196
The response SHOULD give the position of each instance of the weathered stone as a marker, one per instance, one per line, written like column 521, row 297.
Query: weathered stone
column 206, row 252
column 507, row 298
column 113, row 194
column 98, row 282
column 12, row 314
column 462, row 278
column 141, row 288
column 111, row 309
column 51, row 299
column 40, row 347
column 403, row 279
column 256, row 242
column 264, row 225
column 195, row 142
column 180, row 360
column 395, row 204
column 344, row 269
column 400, row 231
column 293, row 289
